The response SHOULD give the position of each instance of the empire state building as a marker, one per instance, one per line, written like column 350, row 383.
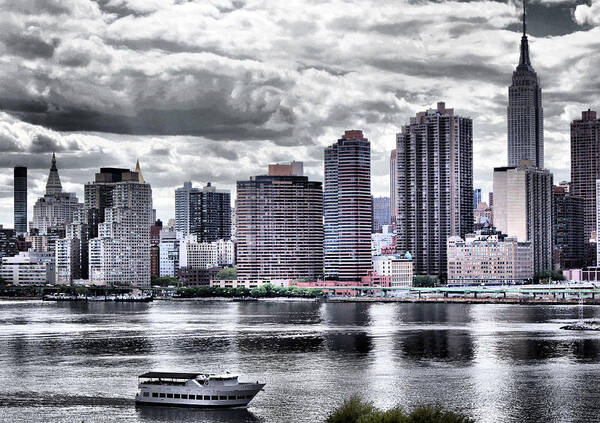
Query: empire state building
column 525, row 113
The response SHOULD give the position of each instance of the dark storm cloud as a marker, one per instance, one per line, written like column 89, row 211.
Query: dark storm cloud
column 30, row 46
column 45, row 144
column 36, row 7
column 459, row 68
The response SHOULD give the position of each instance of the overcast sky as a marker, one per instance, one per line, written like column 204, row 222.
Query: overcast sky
column 212, row 90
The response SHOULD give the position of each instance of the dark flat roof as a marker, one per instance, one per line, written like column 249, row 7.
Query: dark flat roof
column 169, row 375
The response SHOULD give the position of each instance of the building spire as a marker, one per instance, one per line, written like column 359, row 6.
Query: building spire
column 53, row 185
column 139, row 171
column 524, row 59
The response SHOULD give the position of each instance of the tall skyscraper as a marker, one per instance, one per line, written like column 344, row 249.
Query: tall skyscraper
column 567, row 229
column 56, row 208
column 347, row 208
column 120, row 254
column 435, row 186
column 204, row 212
column 20, row 199
column 585, row 169
column 279, row 227
column 182, row 208
column 393, row 187
column 525, row 112
column 523, row 208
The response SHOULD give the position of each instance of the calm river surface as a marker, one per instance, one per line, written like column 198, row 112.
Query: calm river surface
column 77, row 362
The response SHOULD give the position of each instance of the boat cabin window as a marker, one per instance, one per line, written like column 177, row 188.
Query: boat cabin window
column 169, row 395
column 184, row 396
column 162, row 395
column 231, row 397
column 241, row 397
column 176, row 396
column 154, row 394
column 214, row 397
column 146, row 394
column 192, row 397
column 222, row 397
column 206, row 397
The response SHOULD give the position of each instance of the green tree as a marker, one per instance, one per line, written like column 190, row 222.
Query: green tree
column 424, row 281
column 357, row 410
column 544, row 276
column 227, row 274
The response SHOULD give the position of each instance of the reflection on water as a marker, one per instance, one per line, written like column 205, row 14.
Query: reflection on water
column 177, row 414
column 499, row 363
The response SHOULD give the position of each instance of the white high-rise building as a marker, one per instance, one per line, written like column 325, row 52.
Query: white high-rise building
column 121, row 252
column 168, row 252
column 523, row 208
column 182, row 208
column 56, row 208
column 68, row 260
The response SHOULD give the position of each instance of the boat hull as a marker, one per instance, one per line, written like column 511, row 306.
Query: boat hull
column 197, row 396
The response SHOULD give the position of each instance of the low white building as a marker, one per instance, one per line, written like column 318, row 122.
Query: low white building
column 384, row 239
column 251, row 283
column 402, row 271
column 28, row 268
column 202, row 255
column 489, row 258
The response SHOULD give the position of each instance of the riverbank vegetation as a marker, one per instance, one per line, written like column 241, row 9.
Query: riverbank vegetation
column 264, row 291
column 357, row 410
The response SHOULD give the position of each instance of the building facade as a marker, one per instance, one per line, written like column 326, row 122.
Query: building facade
column 393, row 188
column 347, row 208
column 20, row 199
column 68, row 260
column 585, row 170
column 489, row 258
column 204, row 212
column 523, row 208
column 56, row 208
column 204, row 255
column 28, row 268
column 8, row 242
column 567, row 229
column 381, row 213
column 279, row 228
column 476, row 197
column 525, row 112
column 435, row 186
column 168, row 253
column 120, row 254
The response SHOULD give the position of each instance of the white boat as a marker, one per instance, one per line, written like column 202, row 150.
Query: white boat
column 195, row 390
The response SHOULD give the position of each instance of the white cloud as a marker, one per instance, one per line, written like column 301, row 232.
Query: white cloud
column 588, row 14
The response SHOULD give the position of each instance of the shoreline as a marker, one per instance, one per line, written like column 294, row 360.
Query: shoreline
column 441, row 300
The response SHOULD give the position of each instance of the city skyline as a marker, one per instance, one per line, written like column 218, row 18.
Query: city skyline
column 258, row 100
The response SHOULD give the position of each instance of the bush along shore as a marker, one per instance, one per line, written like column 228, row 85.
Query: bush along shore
column 357, row 410
column 264, row 291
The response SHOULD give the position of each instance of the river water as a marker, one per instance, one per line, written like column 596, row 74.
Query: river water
column 78, row 362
